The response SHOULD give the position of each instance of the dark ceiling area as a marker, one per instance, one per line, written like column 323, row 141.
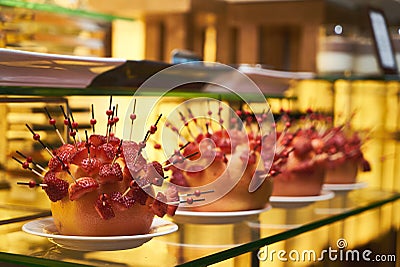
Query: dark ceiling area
column 391, row 8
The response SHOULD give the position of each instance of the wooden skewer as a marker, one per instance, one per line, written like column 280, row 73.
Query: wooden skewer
column 188, row 200
column 53, row 122
column 197, row 193
column 27, row 167
column 33, row 162
column 32, row 184
column 36, row 137
column 132, row 117
column 183, row 158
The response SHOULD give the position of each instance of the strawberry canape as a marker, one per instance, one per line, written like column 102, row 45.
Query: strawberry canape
column 235, row 163
column 319, row 153
column 102, row 186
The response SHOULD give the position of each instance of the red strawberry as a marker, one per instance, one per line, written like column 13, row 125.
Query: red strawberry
column 90, row 166
column 64, row 148
column 62, row 155
column 137, row 193
column 160, row 205
column 113, row 140
column 82, row 186
column 121, row 202
column 158, row 168
column 172, row 196
column 222, row 140
column 134, row 161
column 172, row 209
column 104, row 208
column 155, row 173
column 97, row 140
column 191, row 149
column 55, row 165
column 106, row 152
column 80, row 154
column 56, row 189
column 302, row 146
column 178, row 178
column 110, row 173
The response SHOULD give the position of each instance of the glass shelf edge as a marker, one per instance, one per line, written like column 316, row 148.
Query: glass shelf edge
column 33, row 261
column 252, row 246
column 119, row 91
column 61, row 10
column 336, row 77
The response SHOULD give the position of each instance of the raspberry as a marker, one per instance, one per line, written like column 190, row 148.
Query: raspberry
column 81, row 187
column 56, row 189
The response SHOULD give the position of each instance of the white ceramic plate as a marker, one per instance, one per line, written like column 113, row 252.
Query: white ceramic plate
column 46, row 228
column 198, row 217
column 294, row 202
column 345, row 187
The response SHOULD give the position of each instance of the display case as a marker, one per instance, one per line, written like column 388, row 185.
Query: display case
column 353, row 219
column 364, row 216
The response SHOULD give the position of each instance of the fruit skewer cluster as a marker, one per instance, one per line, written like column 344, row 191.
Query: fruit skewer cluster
column 104, row 165
column 314, row 133
column 229, row 155
column 318, row 150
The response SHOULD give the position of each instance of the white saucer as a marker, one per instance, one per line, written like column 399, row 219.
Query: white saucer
column 46, row 228
column 295, row 202
column 226, row 217
column 345, row 187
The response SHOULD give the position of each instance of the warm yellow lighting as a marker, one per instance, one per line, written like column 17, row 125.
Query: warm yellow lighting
column 210, row 44
column 315, row 94
column 128, row 40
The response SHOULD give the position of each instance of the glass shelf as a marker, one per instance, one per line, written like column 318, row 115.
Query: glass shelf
column 52, row 8
column 335, row 77
column 187, row 247
column 126, row 91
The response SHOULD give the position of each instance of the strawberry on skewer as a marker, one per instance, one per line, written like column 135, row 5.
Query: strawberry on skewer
column 36, row 137
column 67, row 122
column 93, row 121
column 30, row 160
column 25, row 165
column 32, row 184
column 74, row 125
column 53, row 122
column 133, row 118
